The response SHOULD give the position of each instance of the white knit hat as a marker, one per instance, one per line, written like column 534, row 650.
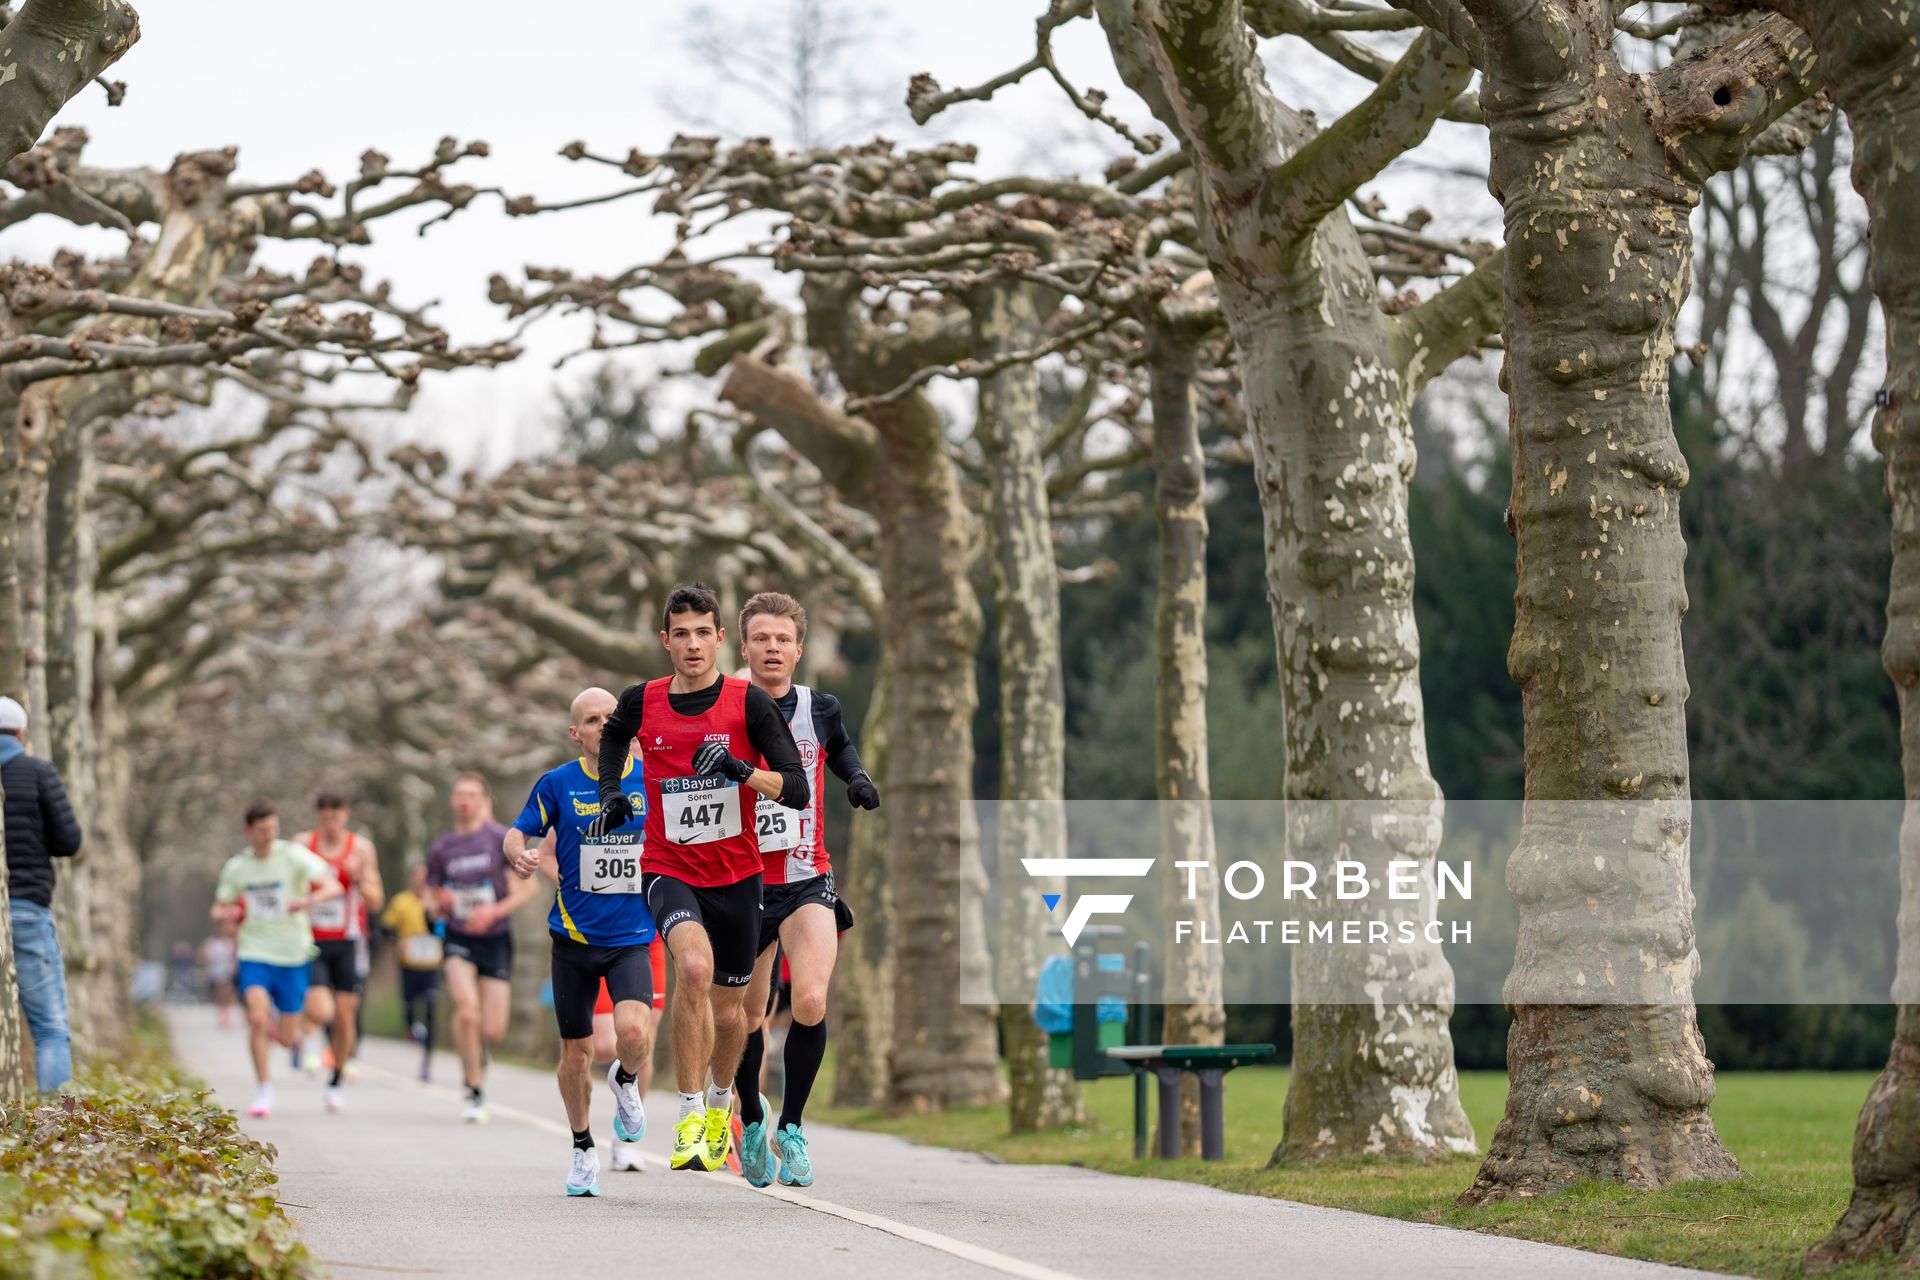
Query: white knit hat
column 13, row 716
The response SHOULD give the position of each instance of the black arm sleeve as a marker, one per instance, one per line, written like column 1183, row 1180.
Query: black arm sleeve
column 616, row 740
column 770, row 735
column 842, row 756
column 56, row 816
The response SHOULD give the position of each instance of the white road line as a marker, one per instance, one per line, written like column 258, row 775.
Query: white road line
column 976, row 1254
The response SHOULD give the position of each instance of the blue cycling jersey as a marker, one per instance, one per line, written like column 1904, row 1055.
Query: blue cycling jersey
column 598, row 901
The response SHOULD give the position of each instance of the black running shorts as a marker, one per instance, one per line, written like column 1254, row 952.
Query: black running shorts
column 338, row 966
column 577, row 970
column 782, row 900
column 490, row 955
column 730, row 914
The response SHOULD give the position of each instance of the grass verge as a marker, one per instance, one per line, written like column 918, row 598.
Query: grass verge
column 138, row 1173
column 1792, row 1132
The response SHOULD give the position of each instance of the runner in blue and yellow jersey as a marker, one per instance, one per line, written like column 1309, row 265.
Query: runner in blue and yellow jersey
column 602, row 931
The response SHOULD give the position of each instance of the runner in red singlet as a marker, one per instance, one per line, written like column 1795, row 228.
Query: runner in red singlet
column 340, row 930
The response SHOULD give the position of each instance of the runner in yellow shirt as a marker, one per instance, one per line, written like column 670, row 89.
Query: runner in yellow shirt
column 411, row 919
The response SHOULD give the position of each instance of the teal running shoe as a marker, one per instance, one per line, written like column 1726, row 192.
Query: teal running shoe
column 583, row 1179
column 794, row 1166
column 754, row 1155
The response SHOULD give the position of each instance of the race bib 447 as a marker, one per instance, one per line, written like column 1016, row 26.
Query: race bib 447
column 700, row 810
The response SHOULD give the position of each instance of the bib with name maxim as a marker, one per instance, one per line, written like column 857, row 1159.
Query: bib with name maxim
column 700, row 830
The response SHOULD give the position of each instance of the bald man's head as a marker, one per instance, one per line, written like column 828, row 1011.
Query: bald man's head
column 587, row 717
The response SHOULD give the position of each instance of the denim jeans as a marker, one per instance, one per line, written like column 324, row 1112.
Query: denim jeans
column 43, row 991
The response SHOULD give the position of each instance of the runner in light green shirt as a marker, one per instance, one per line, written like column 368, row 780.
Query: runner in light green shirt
column 276, row 883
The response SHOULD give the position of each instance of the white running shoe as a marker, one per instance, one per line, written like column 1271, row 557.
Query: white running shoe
column 351, row 1072
column 584, row 1178
column 336, row 1099
column 629, row 1113
column 262, row 1103
column 476, row 1111
column 626, row 1158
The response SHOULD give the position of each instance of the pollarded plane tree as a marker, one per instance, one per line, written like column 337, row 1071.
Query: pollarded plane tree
column 182, row 310
column 1030, row 275
column 199, row 546
column 1329, row 365
column 584, row 557
column 52, row 50
column 882, row 450
column 1598, row 170
column 1870, row 63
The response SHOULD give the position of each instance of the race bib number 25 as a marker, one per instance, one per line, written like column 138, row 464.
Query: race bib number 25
column 700, row 810
column 780, row 828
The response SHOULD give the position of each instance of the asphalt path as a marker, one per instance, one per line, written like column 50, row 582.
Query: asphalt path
column 395, row 1184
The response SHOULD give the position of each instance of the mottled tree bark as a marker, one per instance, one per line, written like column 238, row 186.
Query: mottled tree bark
column 1327, row 378
column 893, row 463
column 71, row 565
column 863, row 982
column 51, row 51
column 1597, row 173
column 1026, row 582
column 13, row 1064
column 1191, row 974
column 944, row 1052
column 1870, row 63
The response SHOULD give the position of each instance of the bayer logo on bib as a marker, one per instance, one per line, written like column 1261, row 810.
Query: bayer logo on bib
column 700, row 810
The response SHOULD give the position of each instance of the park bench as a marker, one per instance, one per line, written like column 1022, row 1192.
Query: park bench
column 1093, row 1049
column 1210, row 1064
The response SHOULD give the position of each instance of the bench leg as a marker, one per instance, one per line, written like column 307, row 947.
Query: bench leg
column 1169, row 1112
column 1213, row 1125
column 1139, row 1115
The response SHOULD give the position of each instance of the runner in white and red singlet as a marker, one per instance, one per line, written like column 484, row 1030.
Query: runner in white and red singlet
column 803, row 916
column 714, row 752
column 340, row 931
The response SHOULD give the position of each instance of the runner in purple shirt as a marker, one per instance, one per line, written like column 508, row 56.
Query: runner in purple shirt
column 468, row 873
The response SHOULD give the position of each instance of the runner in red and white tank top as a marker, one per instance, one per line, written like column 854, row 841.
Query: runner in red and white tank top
column 716, row 753
column 340, row 933
column 802, row 912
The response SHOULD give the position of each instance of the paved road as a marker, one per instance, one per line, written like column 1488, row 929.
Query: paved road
column 397, row 1185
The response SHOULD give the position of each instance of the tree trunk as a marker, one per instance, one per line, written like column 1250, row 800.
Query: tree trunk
column 113, row 857
column 1031, row 819
column 13, row 1064
column 1191, row 974
column 863, row 981
column 1327, row 385
column 1609, row 1077
column 1867, row 60
column 71, row 565
column 33, row 599
column 1333, row 455
column 944, row 1050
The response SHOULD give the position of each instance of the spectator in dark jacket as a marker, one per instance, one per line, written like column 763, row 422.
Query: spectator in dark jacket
column 40, row 827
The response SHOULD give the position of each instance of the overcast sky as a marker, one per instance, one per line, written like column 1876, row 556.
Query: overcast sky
column 297, row 87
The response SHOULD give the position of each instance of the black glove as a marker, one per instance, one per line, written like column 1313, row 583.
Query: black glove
column 862, row 794
column 616, row 811
column 713, row 757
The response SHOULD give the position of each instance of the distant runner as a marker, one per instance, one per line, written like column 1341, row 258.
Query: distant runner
column 468, row 871
column 412, row 918
column 713, row 750
column 602, row 934
column 340, row 932
column 804, row 916
column 266, row 889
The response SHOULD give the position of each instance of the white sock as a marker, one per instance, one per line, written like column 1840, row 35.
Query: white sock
column 689, row 1103
column 264, row 1097
column 719, row 1099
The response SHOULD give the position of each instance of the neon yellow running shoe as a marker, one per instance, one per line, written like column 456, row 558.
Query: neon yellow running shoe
column 690, row 1143
column 719, row 1136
